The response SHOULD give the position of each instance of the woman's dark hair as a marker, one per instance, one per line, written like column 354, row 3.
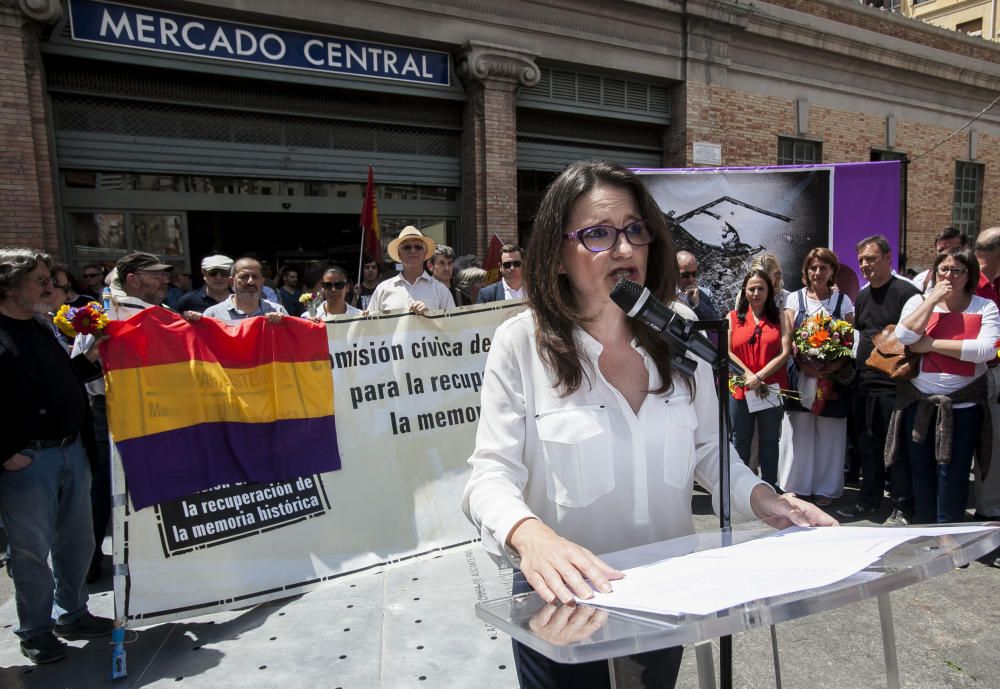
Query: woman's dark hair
column 967, row 259
column 743, row 304
column 549, row 293
column 825, row 255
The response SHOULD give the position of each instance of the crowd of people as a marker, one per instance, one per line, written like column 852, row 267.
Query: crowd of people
column 570, row 457
column 916, row 437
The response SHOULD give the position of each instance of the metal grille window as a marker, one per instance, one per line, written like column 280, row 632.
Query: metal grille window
column 597, row 93
column 967, row 206
column 799, row 151
column 93, row 115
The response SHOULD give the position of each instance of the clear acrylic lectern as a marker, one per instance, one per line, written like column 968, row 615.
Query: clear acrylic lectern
column 625, row 633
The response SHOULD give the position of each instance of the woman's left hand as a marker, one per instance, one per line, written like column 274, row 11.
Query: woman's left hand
column 782, row 511
column 923, row 345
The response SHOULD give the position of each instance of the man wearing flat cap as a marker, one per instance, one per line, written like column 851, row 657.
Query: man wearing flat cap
column 412, row 290
column 143, row 280
column 215, row 272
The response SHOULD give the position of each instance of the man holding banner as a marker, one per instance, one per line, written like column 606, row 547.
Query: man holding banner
column 247, row 279
column 45, row 477
column 413, row 290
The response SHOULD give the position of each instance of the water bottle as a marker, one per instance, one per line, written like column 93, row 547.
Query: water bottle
column 106, row 298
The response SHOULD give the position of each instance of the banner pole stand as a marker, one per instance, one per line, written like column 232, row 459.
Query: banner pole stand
column 118, row 670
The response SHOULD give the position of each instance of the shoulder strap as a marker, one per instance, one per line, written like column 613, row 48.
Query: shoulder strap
column 836, row 309
column 802, row 302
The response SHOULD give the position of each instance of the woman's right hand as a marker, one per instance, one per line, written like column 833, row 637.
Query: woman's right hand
column 557, row 568
column 939, row 292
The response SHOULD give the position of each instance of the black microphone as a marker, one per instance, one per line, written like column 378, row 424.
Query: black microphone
column 639, row 303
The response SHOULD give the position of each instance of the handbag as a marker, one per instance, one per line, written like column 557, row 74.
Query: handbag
column 892, row 357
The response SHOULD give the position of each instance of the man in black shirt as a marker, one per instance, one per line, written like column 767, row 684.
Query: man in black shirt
column 879, row 304
column 45, row 476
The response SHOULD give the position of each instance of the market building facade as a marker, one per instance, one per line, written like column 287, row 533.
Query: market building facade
column 186, row 128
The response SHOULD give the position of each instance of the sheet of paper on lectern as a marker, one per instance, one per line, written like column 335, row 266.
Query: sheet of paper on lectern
column 788, row 561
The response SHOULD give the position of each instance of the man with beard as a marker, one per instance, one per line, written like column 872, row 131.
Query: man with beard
column 144, row 281
column 44, row 472
column 247, row 281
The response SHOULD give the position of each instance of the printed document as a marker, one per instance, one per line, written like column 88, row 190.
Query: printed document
column 787, row 561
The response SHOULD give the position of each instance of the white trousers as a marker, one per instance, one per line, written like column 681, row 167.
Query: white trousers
column 811, row 454
column 988, row 491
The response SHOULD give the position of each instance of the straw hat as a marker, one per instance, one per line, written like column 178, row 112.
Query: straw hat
column 410, row 232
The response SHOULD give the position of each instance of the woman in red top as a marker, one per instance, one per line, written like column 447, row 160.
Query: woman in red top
column 760, row 342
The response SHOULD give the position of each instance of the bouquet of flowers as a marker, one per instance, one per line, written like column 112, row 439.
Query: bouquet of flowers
column 88, row 319
column 306, row 297
column 817, row 343
column 762, row 390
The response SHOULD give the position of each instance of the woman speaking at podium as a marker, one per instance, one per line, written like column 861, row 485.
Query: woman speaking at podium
column 588, row 440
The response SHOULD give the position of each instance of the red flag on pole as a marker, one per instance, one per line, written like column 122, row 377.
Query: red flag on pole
column 492, row 263
column 371, row 241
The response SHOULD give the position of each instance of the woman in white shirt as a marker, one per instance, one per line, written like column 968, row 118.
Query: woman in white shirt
column 589, row 440
column 333, row 290
column 812, row 447
column 945, row 405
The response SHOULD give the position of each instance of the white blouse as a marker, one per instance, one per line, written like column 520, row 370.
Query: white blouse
column 978, row 350
column 586, row 465
column 814, row 306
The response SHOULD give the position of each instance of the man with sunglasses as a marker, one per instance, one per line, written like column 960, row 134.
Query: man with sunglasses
column 688, row 290
column 511, row 285
column 412, row 290
column 215, row 271
column 93, row 280
column 246, row 301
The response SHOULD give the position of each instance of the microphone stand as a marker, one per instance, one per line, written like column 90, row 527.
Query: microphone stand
column 721, row 371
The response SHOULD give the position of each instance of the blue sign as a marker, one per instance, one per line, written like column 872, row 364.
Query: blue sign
column 145, row 29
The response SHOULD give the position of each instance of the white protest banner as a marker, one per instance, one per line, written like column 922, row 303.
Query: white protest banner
column 406, row 404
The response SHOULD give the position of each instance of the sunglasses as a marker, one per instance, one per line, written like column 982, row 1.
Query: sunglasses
column 217, row 272
column 688, row 274
column 92, row 275
column 600, row 238
column 756, row 334
column 412, row 247
column 507, row 265
column 339, row 284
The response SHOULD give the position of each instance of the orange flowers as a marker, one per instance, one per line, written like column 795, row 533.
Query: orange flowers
column 818, row 338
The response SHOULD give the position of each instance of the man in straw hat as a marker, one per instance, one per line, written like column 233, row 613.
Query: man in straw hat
column 413, row 289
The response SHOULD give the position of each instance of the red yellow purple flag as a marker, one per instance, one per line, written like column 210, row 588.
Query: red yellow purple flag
column 196, row 405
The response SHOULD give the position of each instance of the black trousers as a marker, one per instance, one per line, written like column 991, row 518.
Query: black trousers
column 871, row 418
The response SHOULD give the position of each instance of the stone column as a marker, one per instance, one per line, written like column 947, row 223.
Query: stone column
column 492, row 75
column 26, row 188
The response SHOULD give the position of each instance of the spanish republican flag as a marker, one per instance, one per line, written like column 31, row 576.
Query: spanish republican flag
column 492, row 263
column 371, row 238
column 192, row 406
